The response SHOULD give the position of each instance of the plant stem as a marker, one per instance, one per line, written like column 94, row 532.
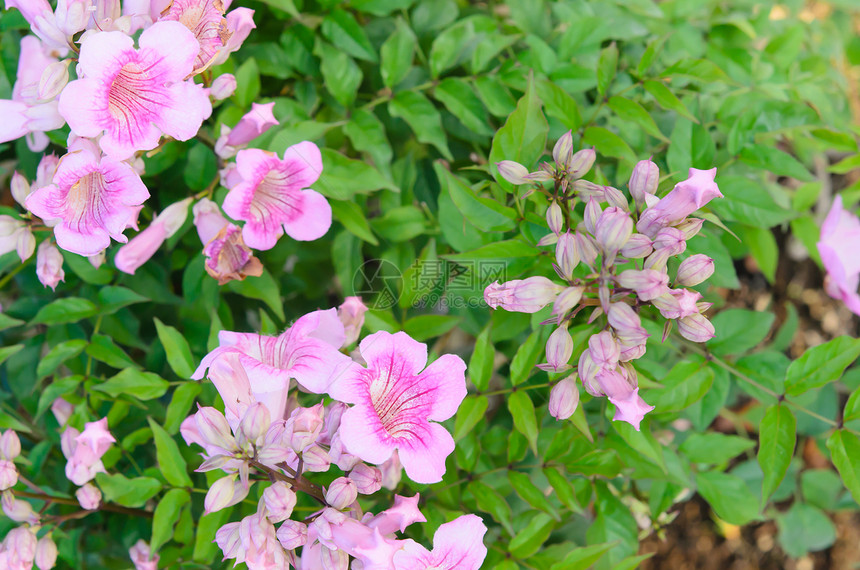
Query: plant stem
column 102, row 507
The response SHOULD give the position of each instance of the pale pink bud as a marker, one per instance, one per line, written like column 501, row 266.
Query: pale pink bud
column 89, row 497
column 142, row 557
column 644, row 180
column 224, row 86
column 97, row 259
column 54, row 80
column 111, row 9
column 72, row 15
column 554, row 218
column 541, row 175
column 603, row 350
column 225, row 492
column 341, row 493
column 566, row 255
column 140, row 248
column 513, row 172
column 548, row 239
column 615, row 198
column 280, row 501
column 256, row 122
column 254, row 424
column 696, row 328
column 49, row 265
column 581, row 162
column 522, row 295
column 20, row 188
column 695, row 269
column 316, row 459
column 46, row 170
column 46, row 553
column 8, row 475
column 671, row 239
column 587, row 370
column 208, row 220
column 333, row 559
column 563, row 398
column 648, row 284
column 392, row 471
column 10, row 445
column 559, row 349
column 229, row 540
column 18, row 510
column 340, row 456
column 62, row 410
column 367, row 479
column 658, row 260
column 562, row 152
column 292, row 534
column 15, row 235
column 591, row 215
column 567, row 300
column 690, row 227
column 351, row 314
column 96, row 437
column 214, row 429
column 637, row 247
column 626, row 322
column 21, row 541
column 632, row 351
column 587, row 189
column 587, row 248
column 306, row 424
column 612, row 231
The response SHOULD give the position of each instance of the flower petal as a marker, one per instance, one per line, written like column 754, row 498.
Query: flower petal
column 424, row 457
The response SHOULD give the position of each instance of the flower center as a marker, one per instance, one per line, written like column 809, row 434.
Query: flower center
column 398, row 402
column 84, row 200
column 273, row 201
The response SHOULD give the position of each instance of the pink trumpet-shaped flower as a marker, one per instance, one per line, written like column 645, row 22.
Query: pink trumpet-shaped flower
column 134, row 95
column 205, row 19
column 397, row 402
column 256, row 122
column 457, row 545
column 840, row 234
column 272, row 196
column 84, row 451
column 144, row 245
column 92, row 198
column 684, row 199
column 307, row 351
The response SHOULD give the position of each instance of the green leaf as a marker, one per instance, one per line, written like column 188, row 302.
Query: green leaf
column 739, row 330
column 507, row 249
column 340, row 28
column 852, row 407
column 166, row 515
column 176, row 347
column 397, row 53
column 763, row 248
column 481, row 362
column 608, row 143
column 632, row 111
column 525, row 421
column 7, row 322
column 835, row 140
column 582, row 558
column 112, row 298
column 526, row 357
column 180, row 404
column 666, row 99
column 201, row 167
column 56, row 389
column 119, row 489
column 529, row 492
column 643, row 441
column 844, row 449
column 523, row 136
column 67, row 310
column 651, row 52
column 263, row 288
column 804, row 528
column 460, row 99
column 697, row 69
column 298, row 132
column 729, row 496
column 685, row 384
column 352, row 217
column 132, row 382
column 58, row 354
column 714, row 448
column 559, row 104
column 775, row 161
column 248, row 82
column 341, row 74
column 344, row 177
column 470, row 412
column 170, row 460
column 8, row 351
column 529, row 540
column 748, row 201
column 564, row 489
column 821, row 364
column 777, row 438
column 103, row 349
column 422, row 117
column 367, row 134
column 606, row 67
column 489, row 501
column 425, row 327
column 484, row 213
column 400, row 224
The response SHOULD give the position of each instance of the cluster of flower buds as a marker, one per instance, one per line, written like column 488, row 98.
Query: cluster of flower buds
column 390, row 427
column 615, row 259
column 83, row 452
column 125, row 100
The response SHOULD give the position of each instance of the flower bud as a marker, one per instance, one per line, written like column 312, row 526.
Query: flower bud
column 566, row 255
column 8, row 474
column 548, row 239
column 20, row 188
column 581, row 162
column 559, row 349
column 522, row 295
column 280, row 501
column 214, row 429
column 54, row 80
column 341, row 493
column 695, row 269
column 567, row 300
column 648, row 284
column 563, row 398
column 544, row 174
column 643, row 180
column 392, row 471
column 208, row 220
column 612, row 231
column 562, row 152
column 72, row 16
column 305, row 424
column 615, row 198
column 513, row 172
column 224, row 86
column 587, row 189
column 62, row 410
column 10, row 445
column 367, row 479
column 696, row 328
column 225, row 492
column 351, row 314
column 554, row 218
column 586, row 247
column 22, row 542
column 18, row 510
column 587, row 370
column 256, row 122
column 690, row 227
column 229, row 539
column 228, row 258
column 316, row 459
column 89, row 497
column 292, row 534
column 626, row 323
column 333, row 559
column 254, row 424
column 671, row 239
column 658, row 259
column 604, row 350
column 591, row 215
column 637, row 247
column 142, row 557
column 49, row 265
column 46, row 553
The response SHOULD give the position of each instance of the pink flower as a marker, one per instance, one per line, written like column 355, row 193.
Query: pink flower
column 629, row 406
column 133, row 96
column 49, row 265
column 840, row 234
column 228, row 258
column 144, row 245
column 84, row 451
column 240, row 22
column 397, row 404
column 684, row 199
column 307, row 351
column 92, row 200
column 457, row 545
column 256, row 122
column 41, row 18
column 205, row 19
column 89, row 497
column 142, row 557
column 272, row 198
column 522, row 295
